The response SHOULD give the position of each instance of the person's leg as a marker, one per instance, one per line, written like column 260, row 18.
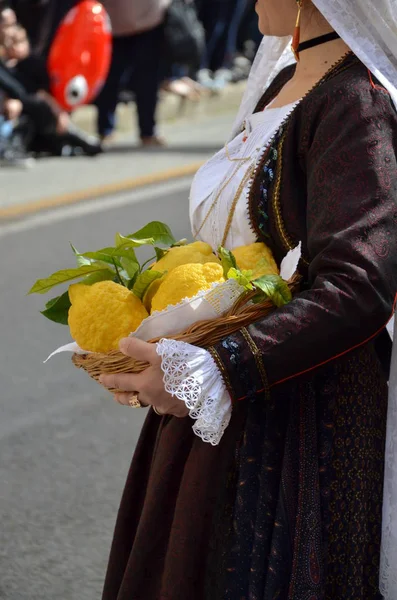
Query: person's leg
column 229, row 69
column 212, row 17
column 233, row 30
column 147, row 57
column 249, row 36
column 227, row 11
column 107, row 99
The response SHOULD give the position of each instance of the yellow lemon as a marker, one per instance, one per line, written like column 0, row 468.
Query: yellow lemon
column 197, row 252
column 186, row 281
column 257, row 258
column 102, row 314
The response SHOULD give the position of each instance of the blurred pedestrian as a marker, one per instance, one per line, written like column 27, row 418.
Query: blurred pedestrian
column 33, row 16
column 249, row 36
column 221, row 20
column 137, row 56
column 29, row 113
column 184, row 48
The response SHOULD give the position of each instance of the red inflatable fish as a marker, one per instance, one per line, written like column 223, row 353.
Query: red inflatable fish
column 80, row 55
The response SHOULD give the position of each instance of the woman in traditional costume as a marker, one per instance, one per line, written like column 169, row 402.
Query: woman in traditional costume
column 259, row 473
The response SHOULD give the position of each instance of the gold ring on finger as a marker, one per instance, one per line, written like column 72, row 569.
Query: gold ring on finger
column 134, row 401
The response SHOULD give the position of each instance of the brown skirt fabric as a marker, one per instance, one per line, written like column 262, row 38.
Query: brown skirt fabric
column 165, row 518
column 287, row 506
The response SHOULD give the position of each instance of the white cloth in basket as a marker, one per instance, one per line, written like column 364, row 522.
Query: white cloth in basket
column 207, row 304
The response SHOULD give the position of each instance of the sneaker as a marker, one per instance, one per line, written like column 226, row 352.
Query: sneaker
column 221, row 78
column 241, row 69
column 204, row 77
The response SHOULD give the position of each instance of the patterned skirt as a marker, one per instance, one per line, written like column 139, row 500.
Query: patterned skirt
column 287, row 507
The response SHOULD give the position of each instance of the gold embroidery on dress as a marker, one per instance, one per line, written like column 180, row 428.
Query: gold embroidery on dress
column 257, row 355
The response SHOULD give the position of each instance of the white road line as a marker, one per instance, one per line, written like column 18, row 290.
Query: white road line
column 94, row 206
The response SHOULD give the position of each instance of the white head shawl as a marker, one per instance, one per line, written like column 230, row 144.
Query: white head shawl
column 369, row 28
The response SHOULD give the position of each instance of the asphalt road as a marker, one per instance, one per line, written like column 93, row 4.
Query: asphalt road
column 65, row 446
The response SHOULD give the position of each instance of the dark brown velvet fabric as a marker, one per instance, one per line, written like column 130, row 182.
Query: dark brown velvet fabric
column 288, row 506
column 338, row 193
column 165, row 519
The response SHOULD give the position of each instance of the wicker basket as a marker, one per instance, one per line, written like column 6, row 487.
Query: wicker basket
column 203, row 334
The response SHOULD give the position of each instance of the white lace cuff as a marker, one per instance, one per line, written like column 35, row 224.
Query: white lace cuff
column 191, row 375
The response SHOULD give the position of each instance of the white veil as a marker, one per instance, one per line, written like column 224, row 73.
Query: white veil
column 369, row 28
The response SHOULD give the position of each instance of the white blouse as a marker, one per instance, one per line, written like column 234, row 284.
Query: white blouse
column 259, row 129
column 190, row 373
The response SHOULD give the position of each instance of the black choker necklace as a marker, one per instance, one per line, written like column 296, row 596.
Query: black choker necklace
column 322, row 39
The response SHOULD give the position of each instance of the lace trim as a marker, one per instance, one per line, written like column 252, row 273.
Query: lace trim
column 221, row 296
column 191, row 375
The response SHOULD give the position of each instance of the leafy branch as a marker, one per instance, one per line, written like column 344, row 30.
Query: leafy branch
column 115, row 263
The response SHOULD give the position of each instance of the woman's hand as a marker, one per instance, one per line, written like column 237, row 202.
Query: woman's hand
column 148, row 385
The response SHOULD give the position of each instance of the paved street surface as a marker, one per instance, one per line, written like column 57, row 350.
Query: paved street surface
column 65, row 447
column 189, row 141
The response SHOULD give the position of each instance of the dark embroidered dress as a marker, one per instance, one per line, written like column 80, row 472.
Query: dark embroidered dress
column 289, row 505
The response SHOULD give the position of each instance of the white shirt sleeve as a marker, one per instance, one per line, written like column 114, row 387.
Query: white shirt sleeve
column 191, row 375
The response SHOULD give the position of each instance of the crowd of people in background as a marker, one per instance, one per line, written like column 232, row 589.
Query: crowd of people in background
column 31, row 121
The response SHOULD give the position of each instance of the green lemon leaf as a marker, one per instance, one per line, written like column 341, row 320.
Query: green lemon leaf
column 103, row 255
column 105, row 275
column 240, row 277
column 248, row 274
column 227, row 260
column 130, row 267
column 159, row 253
column 258, row 298
column 122, row 241
column 112, row 255
column 151, row 235
column 275, row 288
column 57, row 309
column 144, row 280
column 81, row 260
column 42, row 286
column 128, row 253
column 159, row 232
